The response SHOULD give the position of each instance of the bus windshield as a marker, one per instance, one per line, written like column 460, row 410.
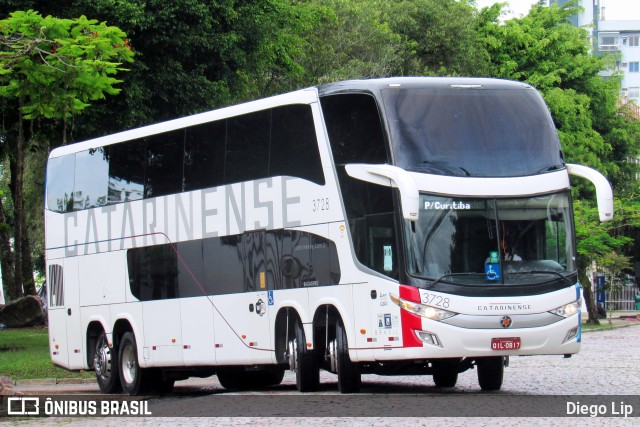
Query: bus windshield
column 491, row 241
column 445, row 130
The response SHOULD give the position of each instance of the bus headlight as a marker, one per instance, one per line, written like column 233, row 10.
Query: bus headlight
column 421, row 309
column 567, row 310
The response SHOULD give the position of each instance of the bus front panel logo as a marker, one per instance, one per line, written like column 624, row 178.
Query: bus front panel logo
column 505, row 322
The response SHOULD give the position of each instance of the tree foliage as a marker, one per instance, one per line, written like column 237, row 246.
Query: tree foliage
column 50, row 68
column 440, row 36
column 56, row 67
column 195, row 55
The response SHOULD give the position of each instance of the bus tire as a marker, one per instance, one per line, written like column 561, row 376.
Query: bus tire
column 237, row 377
column 105, row 365
column 273, row 377
column 349, row 375
column 490, row 372
column 232, row 377
column 134, row 380
column 445, row 372
column 303, row 361
column 159, row 384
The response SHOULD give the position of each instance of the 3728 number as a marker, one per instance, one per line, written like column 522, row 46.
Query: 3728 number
column 321, row 204
column 436, row 300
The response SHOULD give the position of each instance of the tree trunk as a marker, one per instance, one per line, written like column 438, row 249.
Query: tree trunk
column 6, row 258
column 23, row 273
column 592, row 309
column 28, row 281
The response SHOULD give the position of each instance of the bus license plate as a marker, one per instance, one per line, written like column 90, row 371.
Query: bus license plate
column 505, row 343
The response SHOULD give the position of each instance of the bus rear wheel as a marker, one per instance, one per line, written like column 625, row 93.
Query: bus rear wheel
column 303, row 361
column 134, row 380
column 490, row 372
column 237, row 377
column 105, row 365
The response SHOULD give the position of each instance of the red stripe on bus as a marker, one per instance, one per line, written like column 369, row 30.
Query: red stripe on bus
column 410, row 322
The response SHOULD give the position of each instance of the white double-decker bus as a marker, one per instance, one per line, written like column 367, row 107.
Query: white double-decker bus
column 390, row 226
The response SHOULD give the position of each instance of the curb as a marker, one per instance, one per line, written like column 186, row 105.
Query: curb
column 604, row 326
column 54, row 381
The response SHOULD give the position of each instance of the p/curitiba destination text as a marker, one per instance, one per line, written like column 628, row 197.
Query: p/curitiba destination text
column 611, row 409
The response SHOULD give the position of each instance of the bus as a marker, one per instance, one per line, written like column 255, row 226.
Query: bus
column 386, row 226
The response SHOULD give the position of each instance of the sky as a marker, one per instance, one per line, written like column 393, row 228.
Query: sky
column 614, row 9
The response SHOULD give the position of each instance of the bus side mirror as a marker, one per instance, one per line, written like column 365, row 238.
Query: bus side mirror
column 390, row 176
column 604, row 194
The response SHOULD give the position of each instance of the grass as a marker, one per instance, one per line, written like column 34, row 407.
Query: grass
column 604, row 324
column 24, row 354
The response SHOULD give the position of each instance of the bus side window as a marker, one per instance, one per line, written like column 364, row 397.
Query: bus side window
column 60, row 183
column 91, row 178
column 163, row 171
column 204, row 155
column 224, row 265
column 356, row 136
column 254, row 262
column 355, row 130
column 126, row 171
column 247, row 147
column 294, row 147
column 153, row 272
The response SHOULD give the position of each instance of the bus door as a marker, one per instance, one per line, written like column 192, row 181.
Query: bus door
column 373, row 310
column 57, row 314
column 65, row 327
column 237, row 266
column 196, row 306
column 153, row 277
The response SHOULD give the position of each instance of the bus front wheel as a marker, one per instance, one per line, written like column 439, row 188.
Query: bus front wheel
column 303, row 361
column 349, row 376
column 490, row 372
column 445, row 372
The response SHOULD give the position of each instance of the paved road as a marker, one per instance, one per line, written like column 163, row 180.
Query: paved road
column 607, row 367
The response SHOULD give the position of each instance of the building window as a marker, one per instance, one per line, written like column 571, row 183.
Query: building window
column 634, row 67
column 633, row 92
column 608, row 41
column 634, row 41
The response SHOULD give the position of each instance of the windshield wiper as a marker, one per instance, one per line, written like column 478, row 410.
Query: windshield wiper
column 439, row 279
column 562, row 276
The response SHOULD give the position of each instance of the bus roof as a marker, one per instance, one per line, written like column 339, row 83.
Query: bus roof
column 307, row 95
column 373, row 85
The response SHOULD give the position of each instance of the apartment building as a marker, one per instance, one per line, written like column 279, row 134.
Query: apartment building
column 621, row 37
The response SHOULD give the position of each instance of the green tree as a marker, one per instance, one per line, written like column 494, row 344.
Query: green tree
column 50, row 68
column 440, row 36
column 191, row 56
column 375, row 38
column 603, row 245
column 195, row 55
column 545, row 50
column 350, row 40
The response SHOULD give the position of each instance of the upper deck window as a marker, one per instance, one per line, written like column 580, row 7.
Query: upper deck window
column 471, row 131
column 280, row 141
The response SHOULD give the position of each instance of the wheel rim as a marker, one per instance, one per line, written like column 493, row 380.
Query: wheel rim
column 129, row 364
column 102, row 359
column 333, row 356
column 293, row 355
